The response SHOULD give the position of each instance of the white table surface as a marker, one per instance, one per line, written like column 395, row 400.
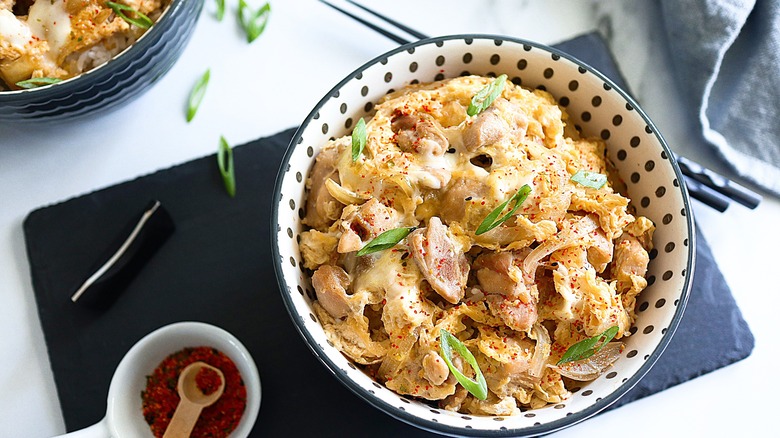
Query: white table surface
column 259, row 89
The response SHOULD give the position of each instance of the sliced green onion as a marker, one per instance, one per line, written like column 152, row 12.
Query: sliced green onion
column 139, row 20
column 588, row 347
column 386, row 240
column 491, row 220
column 37, row 82
column 449, row 342
column 485, row 97
column 589, row 179
column 220, row 10
column 196, row 95
column 359, row 137
column 253, row 22
column 225, row 162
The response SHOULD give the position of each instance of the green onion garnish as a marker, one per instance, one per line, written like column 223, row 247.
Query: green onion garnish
column 225, row 162
column 37, row 82
column 386, row 240
column 491, row 220
column 139, row 20
column 196, row 95
column 253, row 22
column 220, row 9
column 588, row 347
column 590, row 179
column 359, row 137
column 448, row 342
column 485, row 97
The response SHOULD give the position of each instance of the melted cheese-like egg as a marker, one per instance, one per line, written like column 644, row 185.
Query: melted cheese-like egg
column 50, row 21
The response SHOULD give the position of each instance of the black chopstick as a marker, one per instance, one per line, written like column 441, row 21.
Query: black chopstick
column 709, row 187
column 706, row 195
column 384, row 32
column 403, row 27
column 718, row 182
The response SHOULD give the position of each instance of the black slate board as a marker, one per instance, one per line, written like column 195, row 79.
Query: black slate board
column 219, row 258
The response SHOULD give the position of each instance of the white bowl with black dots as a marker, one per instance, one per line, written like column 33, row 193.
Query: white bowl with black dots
column 596, row 107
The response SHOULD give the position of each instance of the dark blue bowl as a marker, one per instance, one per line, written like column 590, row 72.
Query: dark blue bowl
column 108, row 86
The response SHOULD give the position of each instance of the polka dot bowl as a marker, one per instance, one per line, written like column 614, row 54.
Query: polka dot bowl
column 598, row 108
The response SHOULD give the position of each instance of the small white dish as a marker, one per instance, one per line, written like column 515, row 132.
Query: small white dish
column 124, row 417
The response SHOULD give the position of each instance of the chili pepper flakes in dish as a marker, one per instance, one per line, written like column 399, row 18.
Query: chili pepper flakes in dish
column 160, row 398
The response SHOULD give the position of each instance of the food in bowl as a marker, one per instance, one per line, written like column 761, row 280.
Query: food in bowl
column 160, row 397
column 496, row 226
column 43, row 42
column 595, row 106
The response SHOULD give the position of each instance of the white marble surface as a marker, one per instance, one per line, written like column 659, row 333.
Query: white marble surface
column 259, row 89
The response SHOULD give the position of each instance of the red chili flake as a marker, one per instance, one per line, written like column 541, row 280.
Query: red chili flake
column 160, row 397
column 207, row 380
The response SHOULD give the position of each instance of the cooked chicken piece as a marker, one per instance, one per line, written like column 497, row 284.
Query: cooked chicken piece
column 454, row 401
column 515, row 313
column 420, row 135
column 331, row 283
column 322, row 209
column 500, row 273
column 360, row 224
column 441, row 262
column 490, row 127
column 486, row 129
column 458, row 195
column 600, row 254
column 436, row 370
column 631, row 260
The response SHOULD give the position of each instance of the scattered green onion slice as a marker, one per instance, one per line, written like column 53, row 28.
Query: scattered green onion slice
column 220, row 10
column 253, row 22
column 225, row 162
column 485, row 97
column 359, row 138
column 37, row 82
column 386, row 240
column 196, row 95
column 139, row 20
column 588, row 347
column 491, row 220
column 590, row 179
column 449, row 342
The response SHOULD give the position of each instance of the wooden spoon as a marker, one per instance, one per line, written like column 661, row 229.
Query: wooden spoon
column 193, row 400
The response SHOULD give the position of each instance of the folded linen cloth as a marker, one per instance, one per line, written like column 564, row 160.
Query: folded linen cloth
column 727, row 61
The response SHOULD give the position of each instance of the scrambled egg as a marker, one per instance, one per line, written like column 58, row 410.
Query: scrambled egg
column 566, row 266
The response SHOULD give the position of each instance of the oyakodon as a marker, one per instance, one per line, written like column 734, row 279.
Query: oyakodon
column 563, row 268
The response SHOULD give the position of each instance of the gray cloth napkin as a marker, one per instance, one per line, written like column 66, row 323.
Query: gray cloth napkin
column 727, row 60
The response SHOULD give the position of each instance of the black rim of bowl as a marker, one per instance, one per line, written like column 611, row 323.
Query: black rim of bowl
column 429, row 425
column 76, row 83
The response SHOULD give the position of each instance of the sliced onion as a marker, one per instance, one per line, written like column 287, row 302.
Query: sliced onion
column 341, row 194
column 592, row 367
column 576, row 234
column 541, row 351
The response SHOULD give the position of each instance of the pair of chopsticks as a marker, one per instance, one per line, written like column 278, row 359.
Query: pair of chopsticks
column 704, row 185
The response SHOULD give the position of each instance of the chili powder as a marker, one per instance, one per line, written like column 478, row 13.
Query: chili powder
column 160, row 397
column 207, row 380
